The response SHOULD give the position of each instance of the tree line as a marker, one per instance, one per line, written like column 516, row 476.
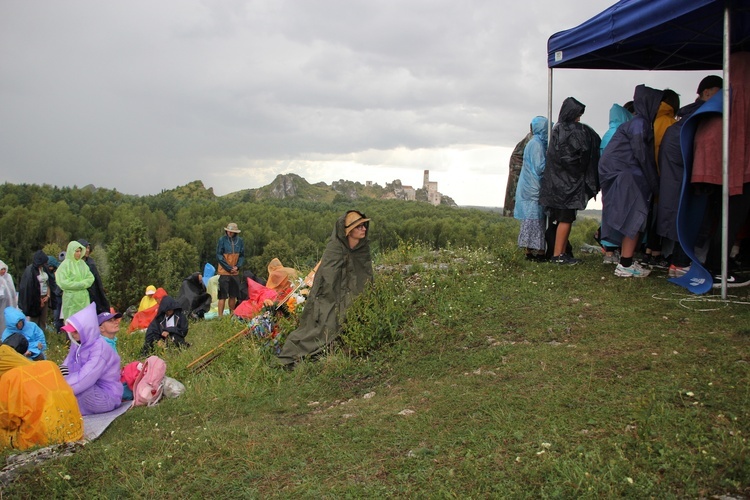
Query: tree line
column 161, row 239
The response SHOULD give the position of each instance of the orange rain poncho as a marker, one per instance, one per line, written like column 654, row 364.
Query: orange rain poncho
column 37, row 406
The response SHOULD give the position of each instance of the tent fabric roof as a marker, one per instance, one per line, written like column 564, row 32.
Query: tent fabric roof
column 652, row 35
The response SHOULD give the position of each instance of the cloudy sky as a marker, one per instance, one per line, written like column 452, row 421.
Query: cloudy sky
column 149, row 95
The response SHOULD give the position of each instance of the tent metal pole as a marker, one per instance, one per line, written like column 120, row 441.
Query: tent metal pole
column 549, row 104
column 725, row 160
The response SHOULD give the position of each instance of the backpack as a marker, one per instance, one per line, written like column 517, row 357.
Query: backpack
column 149, row 385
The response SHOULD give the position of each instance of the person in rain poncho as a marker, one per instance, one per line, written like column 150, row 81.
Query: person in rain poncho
column 8, row 296
column 74, row 278
column 148, row 300
column 37, row 406
column 344, row 270
column 93, row 366
column 527, row 209
column 570, row 176
column 34, row 290
column 16, row 322
column 629, row 179
column 170, row 324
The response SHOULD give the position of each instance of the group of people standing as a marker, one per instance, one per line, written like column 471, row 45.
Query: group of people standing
column 639, row 169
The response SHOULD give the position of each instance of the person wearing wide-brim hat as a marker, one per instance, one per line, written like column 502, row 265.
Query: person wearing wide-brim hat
column 343, row 272
column 230, row 253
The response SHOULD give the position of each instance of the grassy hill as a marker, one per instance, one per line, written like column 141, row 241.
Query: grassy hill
column 483, row 376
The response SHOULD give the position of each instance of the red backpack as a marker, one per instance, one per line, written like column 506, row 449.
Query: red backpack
column 149, row 385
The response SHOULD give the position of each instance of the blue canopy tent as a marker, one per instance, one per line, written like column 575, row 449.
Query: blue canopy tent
column 659, row 35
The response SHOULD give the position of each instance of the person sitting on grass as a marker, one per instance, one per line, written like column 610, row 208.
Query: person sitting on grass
column 37, row 407
column 343, row 272
column 170, row 324
column 93, row 366
column 16, row 322
column 109, row 326
column 148, row 300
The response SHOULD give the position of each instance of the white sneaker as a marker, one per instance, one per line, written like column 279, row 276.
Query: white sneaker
column 634, row 271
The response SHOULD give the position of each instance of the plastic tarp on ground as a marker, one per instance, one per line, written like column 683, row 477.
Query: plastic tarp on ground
column 673, row 35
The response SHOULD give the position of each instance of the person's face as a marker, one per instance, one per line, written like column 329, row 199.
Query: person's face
column 77, row 254
column 19, row 325
column 170, row 312
column 88, row 250
column 75, row 335
column 359, row 231
column 110, row 328
column 709, row 93
column 3, row 271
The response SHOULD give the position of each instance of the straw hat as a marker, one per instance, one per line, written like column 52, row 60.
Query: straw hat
column 278, row 274
column 353, row 219
column 232, row 228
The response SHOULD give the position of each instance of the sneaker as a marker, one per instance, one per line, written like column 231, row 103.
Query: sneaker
column 565, row 259
column 677, row 271
column 658, row 262
column 612, row 259
column 634, row 271
column 733, row 281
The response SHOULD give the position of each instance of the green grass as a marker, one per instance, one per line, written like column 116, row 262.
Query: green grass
column 524, row 379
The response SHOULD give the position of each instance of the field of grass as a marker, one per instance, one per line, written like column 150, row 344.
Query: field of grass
column 477, row 375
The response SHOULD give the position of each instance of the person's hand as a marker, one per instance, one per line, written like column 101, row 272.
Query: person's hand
column 164, row 334
column 45, row 299
column 39, row 345
column 268, row 302
column 28, row 354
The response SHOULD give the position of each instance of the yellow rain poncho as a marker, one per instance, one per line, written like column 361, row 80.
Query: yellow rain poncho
column 37, row 406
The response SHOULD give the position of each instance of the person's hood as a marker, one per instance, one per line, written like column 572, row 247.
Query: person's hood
column 53, row 262
column 665, row 110
column 618, row 115
column 10, row 359
column 646, row 102
column 340, row 229
column 3, row 265
column 570, row 110
column 539, row 128
column 87, row 324
column 159, row 294
column 71, row 251
column 12, row 317
column 40, row 258
column 168, row 303
column 194, row 279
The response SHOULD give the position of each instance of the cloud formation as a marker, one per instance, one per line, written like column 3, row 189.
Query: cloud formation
column 143, row 96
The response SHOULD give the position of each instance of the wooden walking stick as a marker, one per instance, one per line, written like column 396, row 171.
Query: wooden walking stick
column 200, row 363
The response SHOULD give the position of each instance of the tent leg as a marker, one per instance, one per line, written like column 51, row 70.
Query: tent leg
column 725, row 161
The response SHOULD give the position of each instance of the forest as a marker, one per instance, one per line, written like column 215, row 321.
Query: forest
column 161, row 239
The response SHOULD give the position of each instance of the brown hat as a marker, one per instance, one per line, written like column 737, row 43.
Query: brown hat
column 352, row 220
column 278, row 274
column 232, row 228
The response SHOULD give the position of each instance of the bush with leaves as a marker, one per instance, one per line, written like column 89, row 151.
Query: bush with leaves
column 376, row 316
column 131, row 266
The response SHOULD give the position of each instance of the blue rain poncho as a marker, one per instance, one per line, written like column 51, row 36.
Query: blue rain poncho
column 530, row 180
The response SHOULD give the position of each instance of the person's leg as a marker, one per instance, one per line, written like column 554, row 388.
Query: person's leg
column 223, row 294
column 627, row 268
column 561, row 237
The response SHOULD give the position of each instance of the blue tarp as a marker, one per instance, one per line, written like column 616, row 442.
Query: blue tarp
column 652, row 35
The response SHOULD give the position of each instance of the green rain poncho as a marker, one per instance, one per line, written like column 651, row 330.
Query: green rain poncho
column 74, row 278
column 341, row 276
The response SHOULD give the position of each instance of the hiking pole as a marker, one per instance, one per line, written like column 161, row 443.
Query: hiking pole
column 194, row 364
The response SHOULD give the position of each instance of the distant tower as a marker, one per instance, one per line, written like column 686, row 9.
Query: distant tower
column 426, row 180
